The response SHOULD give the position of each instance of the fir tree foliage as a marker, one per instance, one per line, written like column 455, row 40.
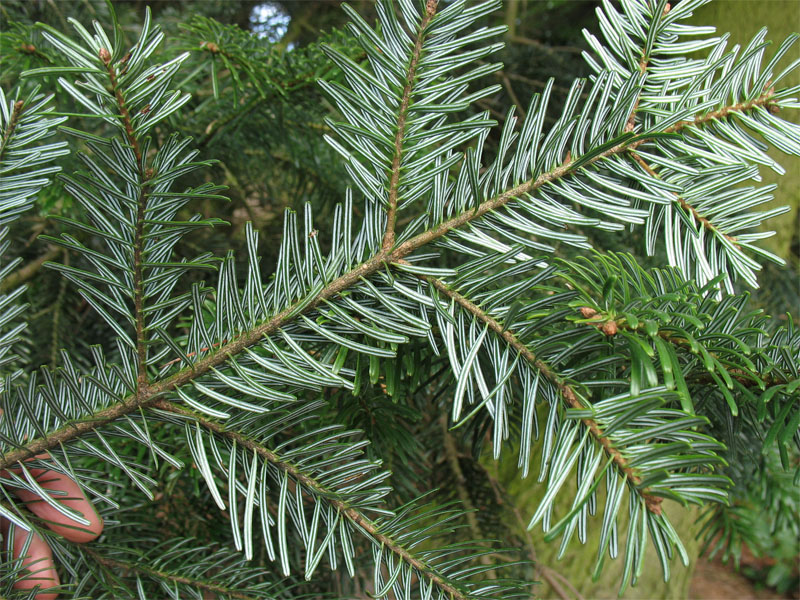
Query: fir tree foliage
column 626, row 376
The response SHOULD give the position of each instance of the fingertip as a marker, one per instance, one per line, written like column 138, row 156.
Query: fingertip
column 85, row 533
column 75, row 499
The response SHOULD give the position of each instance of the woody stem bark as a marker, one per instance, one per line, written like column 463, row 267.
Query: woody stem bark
column 138, row 237
column 12, row 125
column 405, row 102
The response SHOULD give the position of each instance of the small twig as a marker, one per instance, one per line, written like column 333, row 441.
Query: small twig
column 484, row 104
column 451, row 453
column 27, row 272
column 12, row 125
column 540, row 84
column 631, row 122
column 117, row 566
column 353, row 514
column 402, row 115
column 55, row 336
column 707, row 224
column 549, row 574
column 567, row 392
column 512, row 94
column 191, row 354
column 138, row 237
column 542, row 571
column 518, row 39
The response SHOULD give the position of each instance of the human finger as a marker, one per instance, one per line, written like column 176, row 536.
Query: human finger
column 38, row 560
column 71, row 496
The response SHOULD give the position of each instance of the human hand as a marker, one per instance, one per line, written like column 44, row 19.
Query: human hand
column 38, row 562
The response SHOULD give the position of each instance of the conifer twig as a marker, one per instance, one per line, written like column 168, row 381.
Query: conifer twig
column 356, row 516
column 145, row 396
column 402, row 115
column 118, row 566
column 567, row 392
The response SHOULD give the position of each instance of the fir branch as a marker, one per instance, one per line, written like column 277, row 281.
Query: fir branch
column 643, row 64
column 562, row 171
column 146, row 395
column 609, row 326
column 278, row 89
column 105, row 56
column 706, row 223
column 567, row 392
column 353, row 514
column 402, row 115
column 629, row 126
column 141, row 204
column 764, row 100
column 118, row 566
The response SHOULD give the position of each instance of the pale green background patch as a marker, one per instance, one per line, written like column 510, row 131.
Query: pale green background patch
column 743, row 19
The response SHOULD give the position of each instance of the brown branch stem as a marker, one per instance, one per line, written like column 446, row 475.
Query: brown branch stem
column 548, row 574
column 118, row 565
column 451, row 454
column 683, row 203
column 724, row 112
column 25, row 273
column 138, row 237
column 402, row 115
column 631, row 122
column 12, row 125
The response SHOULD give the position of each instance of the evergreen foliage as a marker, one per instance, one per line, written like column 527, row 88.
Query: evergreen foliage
column 454, row 288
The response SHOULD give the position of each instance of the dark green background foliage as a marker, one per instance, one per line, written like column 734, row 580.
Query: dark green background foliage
column 700, row 352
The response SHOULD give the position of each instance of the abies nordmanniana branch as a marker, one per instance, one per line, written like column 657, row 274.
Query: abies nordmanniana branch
column 633, row 369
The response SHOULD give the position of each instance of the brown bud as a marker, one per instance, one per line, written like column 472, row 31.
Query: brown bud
column 18, row 105
column 587, row 312
column 653, row 503
column 430, row 6
column 211, row 47
column 610, row 328
column 105, row 56
column 149, row 172
column 774, row 109
column 28, row 48
column 666, row 8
